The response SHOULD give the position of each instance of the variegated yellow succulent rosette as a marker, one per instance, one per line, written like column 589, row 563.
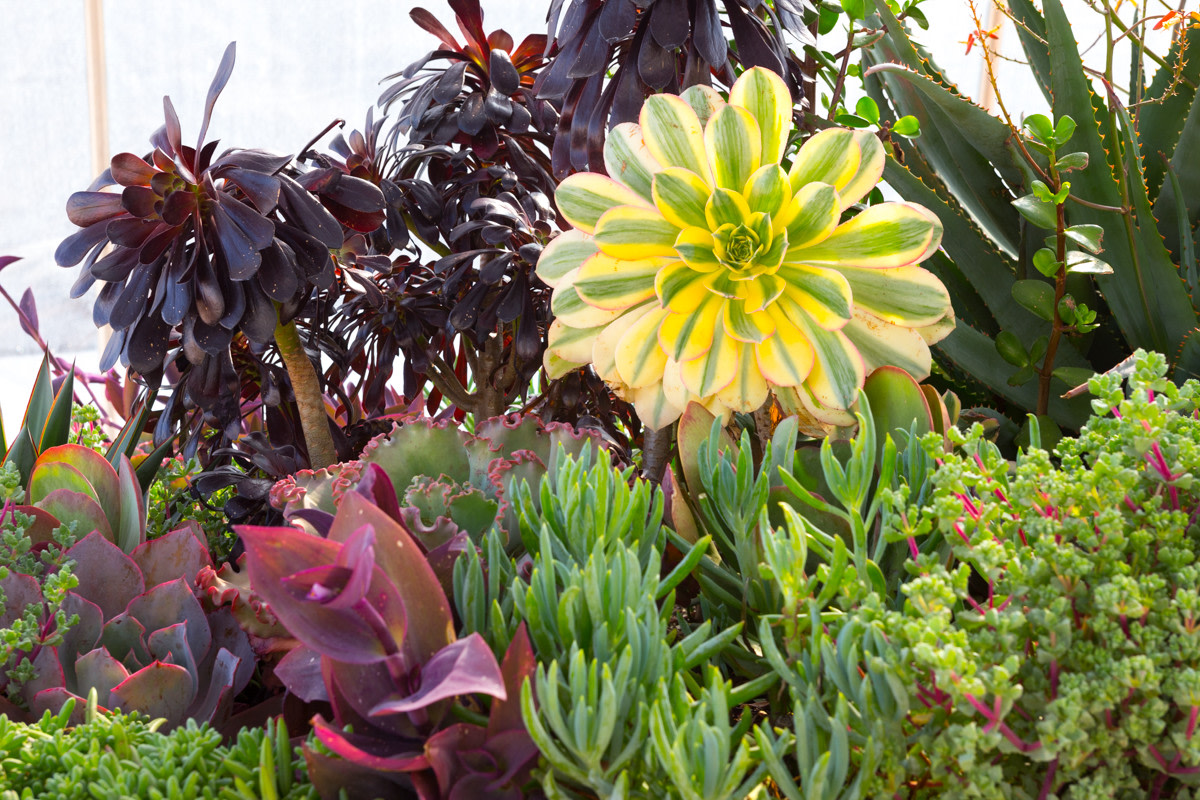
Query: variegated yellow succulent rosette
column 704, row 271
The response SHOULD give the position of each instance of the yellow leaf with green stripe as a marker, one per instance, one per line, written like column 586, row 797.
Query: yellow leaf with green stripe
column 605, row 282
column 695, row 246
column 585, row 196
column 823, row 294
column 786, row 358
column 726, row 207
column 571, row 345
column 570, row 309
column 680, row 197
column 566, row 252
column 881, row 343
column 734, row 147
column 831, row 156
column 884, row 235
column 673, row 134
column 811, row 216
column 640, row 361
column 909, row 296
column 748, row 390
column 710, row 373
column 654, row 408
column 764, row 94
column 744, row 327
column 704, row 100
column 768, row 190
column 684, row 337
column 628, row 159
column 681, row 288
column 838, row 371
column 871, row 161
column 631, row 233
column 605, row 348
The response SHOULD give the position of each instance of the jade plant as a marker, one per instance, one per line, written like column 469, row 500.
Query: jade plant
column 703, row 270
column 138, row 634
column 377, row 642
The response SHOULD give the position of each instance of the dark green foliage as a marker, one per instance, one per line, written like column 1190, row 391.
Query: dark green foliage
column 117, row 755
column 172, row 501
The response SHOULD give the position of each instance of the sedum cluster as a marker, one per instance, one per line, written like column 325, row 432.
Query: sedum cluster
column 122, row 755
column 1059, row 653
column 705, row 269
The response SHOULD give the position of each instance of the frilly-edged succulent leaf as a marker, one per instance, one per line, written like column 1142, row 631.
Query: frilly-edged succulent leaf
column 229, row 588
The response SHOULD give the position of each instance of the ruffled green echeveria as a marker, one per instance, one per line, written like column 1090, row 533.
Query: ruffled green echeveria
column 704, row 270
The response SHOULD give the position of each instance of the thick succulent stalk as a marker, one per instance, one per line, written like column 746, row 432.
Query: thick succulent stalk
column 309, row 400
column 656, row 447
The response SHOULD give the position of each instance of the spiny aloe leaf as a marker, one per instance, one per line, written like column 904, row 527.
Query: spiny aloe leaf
column 1031, row 30
column 1185, row 171
column 57, row 428
column 1159, row 122
column 1144, row 291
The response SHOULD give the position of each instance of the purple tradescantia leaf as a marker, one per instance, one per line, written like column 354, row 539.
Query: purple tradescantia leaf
column 469, row 763
column 376, row 486
column 519, row 664
column 300, row 671
column 358, row 635
column 368, row 751
column 344, row 584
column 463, row 667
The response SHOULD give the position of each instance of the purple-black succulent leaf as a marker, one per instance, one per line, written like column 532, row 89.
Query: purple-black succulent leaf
column 178, row 553
column 168, row 604
column 100, row 670
column 354, row 635
column 300, row 671
column 398, row 555
column 158, row 690
column 466, row 666
column 321, row 521
column 214, row 91
column 107, row 577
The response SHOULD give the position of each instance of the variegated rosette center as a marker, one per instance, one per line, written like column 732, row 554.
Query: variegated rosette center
column 706, row 269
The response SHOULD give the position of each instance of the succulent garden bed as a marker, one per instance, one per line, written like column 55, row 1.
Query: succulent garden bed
column 595, row 428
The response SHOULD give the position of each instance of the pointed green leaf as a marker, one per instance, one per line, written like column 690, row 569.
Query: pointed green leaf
column 734, row 147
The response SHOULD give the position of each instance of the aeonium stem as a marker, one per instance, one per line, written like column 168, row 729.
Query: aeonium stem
column 311, row 403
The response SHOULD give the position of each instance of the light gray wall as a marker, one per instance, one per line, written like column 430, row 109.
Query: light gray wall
column 300, row 64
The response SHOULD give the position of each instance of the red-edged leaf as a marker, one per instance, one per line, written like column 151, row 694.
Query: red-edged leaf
column 519, row 664
column 107, row 577
column 159, row 690
column 463, row 667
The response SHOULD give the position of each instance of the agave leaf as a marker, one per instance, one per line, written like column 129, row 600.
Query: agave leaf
column 1031, row 29
column 159, row 690
column 131, row 528
column 57, row 429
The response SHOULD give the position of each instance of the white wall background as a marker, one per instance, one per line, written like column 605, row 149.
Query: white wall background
column 300, row 64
